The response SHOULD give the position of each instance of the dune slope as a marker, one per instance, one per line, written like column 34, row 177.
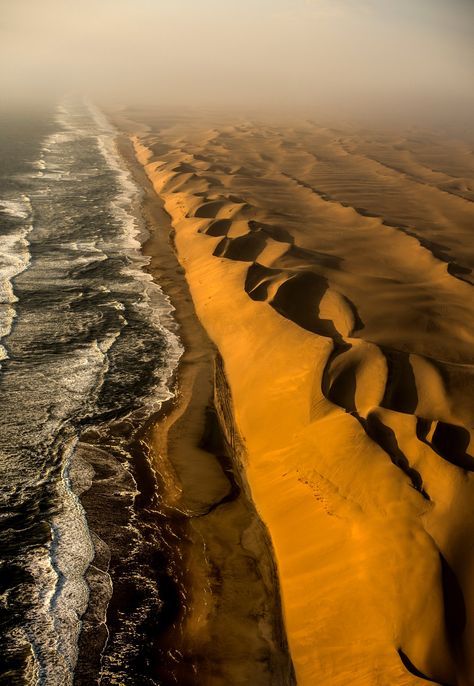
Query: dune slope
column 333, row 271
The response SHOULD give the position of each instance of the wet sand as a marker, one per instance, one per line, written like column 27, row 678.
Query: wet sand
column 332, row 269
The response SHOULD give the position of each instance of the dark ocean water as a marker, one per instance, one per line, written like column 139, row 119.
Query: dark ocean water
column 87, row 350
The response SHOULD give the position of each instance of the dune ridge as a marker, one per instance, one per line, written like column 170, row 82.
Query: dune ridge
column 346, row 336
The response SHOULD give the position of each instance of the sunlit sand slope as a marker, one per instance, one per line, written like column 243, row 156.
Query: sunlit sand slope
column 332, row 269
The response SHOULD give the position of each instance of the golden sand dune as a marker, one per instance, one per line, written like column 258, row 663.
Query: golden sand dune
column 332, row 269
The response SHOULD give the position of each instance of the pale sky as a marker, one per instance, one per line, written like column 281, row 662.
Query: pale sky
column 276, row 53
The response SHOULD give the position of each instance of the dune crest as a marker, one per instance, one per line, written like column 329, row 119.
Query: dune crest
column 333, row 273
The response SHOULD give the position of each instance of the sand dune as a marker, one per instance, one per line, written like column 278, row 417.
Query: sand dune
column 333, row 272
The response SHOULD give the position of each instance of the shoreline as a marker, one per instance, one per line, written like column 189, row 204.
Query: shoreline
column 196, row 458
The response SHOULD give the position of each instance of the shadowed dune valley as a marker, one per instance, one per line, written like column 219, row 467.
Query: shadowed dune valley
column 237, row 343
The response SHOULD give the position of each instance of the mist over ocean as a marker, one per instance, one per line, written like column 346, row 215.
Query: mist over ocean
column 85, row 353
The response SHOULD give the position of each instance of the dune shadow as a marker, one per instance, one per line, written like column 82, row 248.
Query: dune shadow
column 184, row 168
column 455, row 619
column 298, row 299
column 314, row 257
column 409, row 666
column 209, row 209
column 278, row 233
column 401, row 394
column 340, row 390
column 258, row 280
column 221, row 247
column 386, row 438
column 218, row 227
column 245, row 248
column 358, row 323
column 449, row 441
column 454, row 605
column 452, row 442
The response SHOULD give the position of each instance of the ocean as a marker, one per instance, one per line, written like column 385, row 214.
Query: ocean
column 88, row 347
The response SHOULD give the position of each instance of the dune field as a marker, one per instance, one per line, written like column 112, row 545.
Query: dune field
column 332, row 270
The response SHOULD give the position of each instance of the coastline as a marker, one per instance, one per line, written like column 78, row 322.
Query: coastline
column 229, row 627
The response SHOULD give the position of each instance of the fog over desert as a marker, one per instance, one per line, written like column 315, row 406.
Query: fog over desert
column 367, row 56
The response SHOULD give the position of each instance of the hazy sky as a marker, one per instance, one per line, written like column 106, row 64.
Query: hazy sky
column 339, row 53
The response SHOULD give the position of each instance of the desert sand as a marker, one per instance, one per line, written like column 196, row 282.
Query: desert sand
column 221, row 622
column 332, row 271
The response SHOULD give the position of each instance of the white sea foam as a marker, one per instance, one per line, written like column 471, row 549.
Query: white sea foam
column 39, row 164
column 20, row 207
column 154, row 300
column 60, row 590
column 14, row 259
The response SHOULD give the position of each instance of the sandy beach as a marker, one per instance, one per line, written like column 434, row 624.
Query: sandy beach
column 227, row 625
column 331, row 270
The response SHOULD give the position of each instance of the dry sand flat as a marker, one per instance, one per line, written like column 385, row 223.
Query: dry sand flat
column 332, row 270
